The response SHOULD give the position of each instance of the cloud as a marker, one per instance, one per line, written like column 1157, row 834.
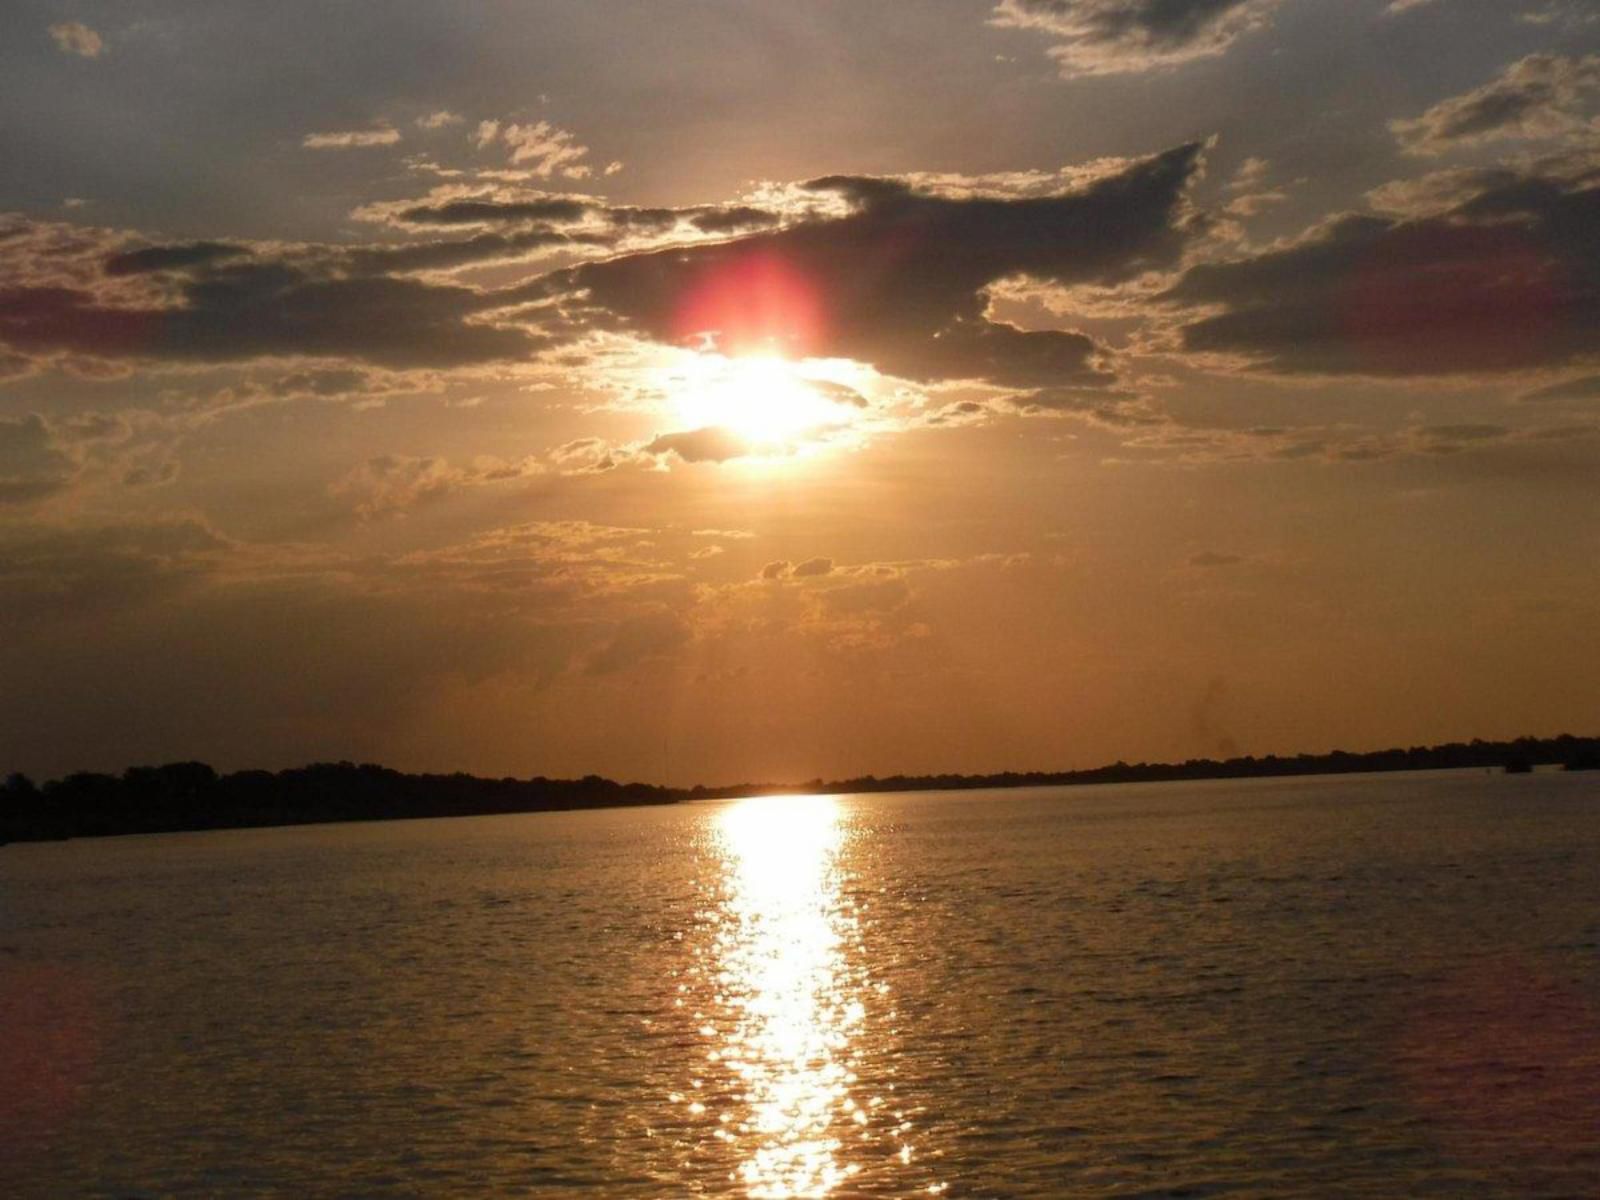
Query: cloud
column 1586, row 387
column 1213, row 558
column 545, row 149
column 175, row 257
column 1252, row 173
column 1571, row 15
column 446, row 255
column 900, row 279
column 152, row 475
column 438, row 120
column 735, row 218
column 1506, row 278
column 588, row 456
column 862, row 596
column 711, row 444
column 890, row 272
column 813, row 568
column 224, row 303
column 1104, row 37
column 730, row 535
column 851, row 608
column 32, row 466
column 540, row 207
column 359, row 388
column 41, row 458
column 390, row 484
column 74, row 37
column 50, row 572
column 351, row 139
column 15, row 366
column 581, row 220
column 1540, row 96
column 1487, row 445
column 649, row 636
column 101, row 614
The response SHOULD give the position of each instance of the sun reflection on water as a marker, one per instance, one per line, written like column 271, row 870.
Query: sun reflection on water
column 795, row 1009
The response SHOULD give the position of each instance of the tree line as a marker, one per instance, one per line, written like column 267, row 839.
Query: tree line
column 193, row 796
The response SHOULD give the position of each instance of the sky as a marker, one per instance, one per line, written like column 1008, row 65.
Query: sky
column 721, row 390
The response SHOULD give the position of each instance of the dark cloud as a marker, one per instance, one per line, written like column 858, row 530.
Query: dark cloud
column 733, row 219
column 558, row 210
column 446, row 255
column 1506, row 279
column 328, row 381
column 1100, row 37
column 899, row 281
column 171, row 257
column 711, row 444
column 813, row 567
column 839, row 393
column 1542, row 95
column 553, row 209
column 263, row 307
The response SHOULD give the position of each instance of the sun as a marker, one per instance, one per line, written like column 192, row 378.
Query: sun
column 768, row 401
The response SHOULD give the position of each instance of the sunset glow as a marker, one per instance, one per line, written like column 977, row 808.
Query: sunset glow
column 772, row 403
column 796, row 391
column 1006, row 592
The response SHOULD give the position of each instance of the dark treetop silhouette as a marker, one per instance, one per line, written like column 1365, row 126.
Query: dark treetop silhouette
column 192, row 796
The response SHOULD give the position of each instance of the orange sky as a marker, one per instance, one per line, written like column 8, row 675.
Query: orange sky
column 782, row 391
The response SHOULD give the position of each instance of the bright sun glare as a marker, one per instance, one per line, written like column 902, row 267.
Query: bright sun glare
column 766, row 400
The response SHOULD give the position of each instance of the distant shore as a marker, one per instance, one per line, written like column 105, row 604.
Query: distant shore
column 191, row 796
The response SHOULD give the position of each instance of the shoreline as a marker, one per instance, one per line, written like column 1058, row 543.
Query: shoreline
column 193, row 798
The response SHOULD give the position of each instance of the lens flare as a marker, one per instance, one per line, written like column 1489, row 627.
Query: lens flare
column 757, row 303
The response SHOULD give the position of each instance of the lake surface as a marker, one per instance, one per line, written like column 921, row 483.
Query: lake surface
column 1374, row 986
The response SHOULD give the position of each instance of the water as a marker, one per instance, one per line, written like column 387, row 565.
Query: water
column 1373, row 986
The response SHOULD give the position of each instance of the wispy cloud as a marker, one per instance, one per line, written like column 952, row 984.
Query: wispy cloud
column 1108, row 37
column 439, row 120
column 351, row 139
column 543, row 148
column 1540, row 96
